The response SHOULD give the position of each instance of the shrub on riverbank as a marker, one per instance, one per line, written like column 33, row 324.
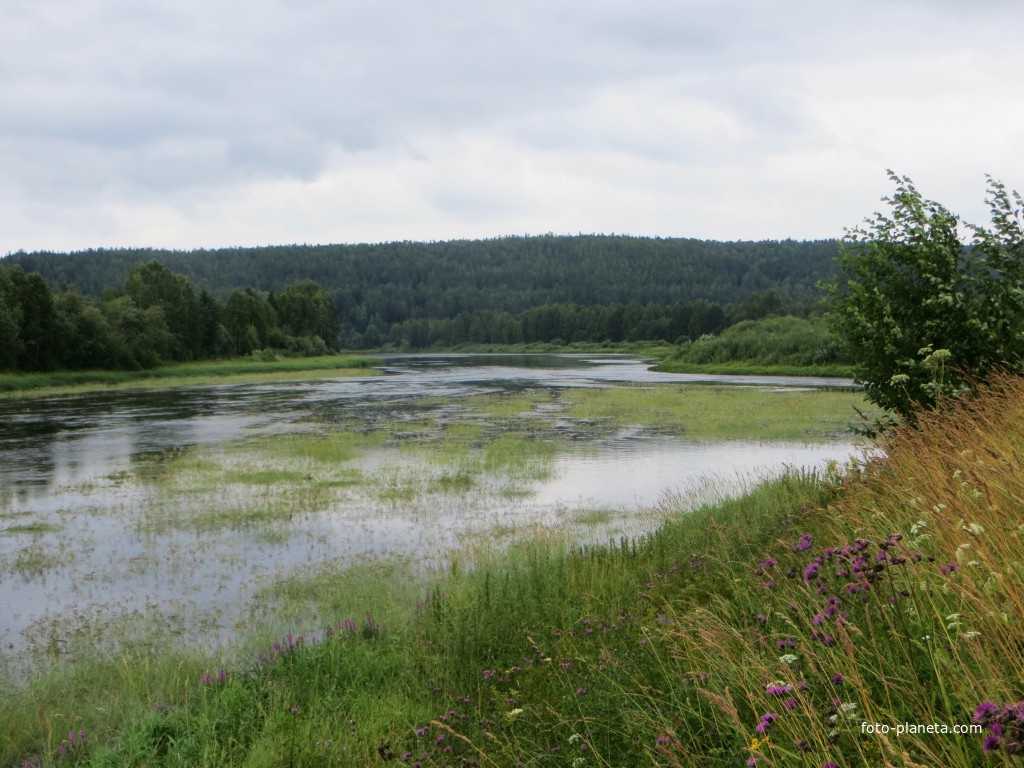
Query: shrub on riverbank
column 800, row 344
column 774, row 629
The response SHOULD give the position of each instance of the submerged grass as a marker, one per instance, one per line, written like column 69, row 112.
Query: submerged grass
column 30, row 528
column 708, row 411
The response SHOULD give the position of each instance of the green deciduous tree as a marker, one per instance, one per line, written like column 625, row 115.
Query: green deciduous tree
column 926, row 304
column 306, row 309
column 152, row 285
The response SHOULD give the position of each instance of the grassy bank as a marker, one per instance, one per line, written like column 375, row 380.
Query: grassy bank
column 181, row 374
column 745, row 368
column 776, row 629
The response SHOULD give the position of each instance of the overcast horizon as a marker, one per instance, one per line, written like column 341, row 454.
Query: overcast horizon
column 192, row 125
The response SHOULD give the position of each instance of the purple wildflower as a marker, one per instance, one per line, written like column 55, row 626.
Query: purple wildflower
column 811, row 571
column 766, row 721
column 984, row 711
column 804, row 544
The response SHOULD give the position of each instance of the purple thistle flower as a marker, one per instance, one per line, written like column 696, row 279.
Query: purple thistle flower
column 804, row 544
column 990, row 743
column 984, row 711
column 811, row 571
column 837, row 679
column 778, row 690
column 789, row 703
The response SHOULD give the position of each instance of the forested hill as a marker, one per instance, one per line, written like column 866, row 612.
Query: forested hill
column 398, row 281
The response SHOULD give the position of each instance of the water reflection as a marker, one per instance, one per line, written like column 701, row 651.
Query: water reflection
column 85, row 530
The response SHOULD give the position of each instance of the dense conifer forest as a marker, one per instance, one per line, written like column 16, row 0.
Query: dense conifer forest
column 140, row 307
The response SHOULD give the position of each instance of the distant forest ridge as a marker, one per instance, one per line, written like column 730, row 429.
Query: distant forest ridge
column 502, row 290
column 440, row 279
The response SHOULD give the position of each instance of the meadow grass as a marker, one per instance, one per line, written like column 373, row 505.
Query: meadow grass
column 741, row 368
column 183, row 374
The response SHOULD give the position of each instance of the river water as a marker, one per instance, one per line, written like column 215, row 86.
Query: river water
column 73, row 553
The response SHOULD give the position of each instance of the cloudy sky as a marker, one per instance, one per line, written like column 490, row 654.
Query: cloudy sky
column 205, row 123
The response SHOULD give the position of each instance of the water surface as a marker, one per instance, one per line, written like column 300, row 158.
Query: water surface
column 90, row 530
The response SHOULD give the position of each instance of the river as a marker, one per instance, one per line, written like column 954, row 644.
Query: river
column 134, row 504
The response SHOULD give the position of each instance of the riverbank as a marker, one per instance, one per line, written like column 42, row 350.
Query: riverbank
column 798, row 625
column 742, row 368
column 247, row 370
column 184, row 374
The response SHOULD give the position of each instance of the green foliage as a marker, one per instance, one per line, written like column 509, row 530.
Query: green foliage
column 507, row 290
column 158, row 319
column 921, row 312
column 306, row 310
column 782, row 340
column 151, row 285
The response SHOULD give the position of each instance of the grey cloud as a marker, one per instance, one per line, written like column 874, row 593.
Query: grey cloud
column 161, row 100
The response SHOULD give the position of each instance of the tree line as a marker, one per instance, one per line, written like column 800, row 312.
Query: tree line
column 157, row 317
column 505, row 290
